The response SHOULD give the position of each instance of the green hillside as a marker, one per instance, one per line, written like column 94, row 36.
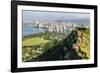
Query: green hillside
column 57, row 46
column 79, row 42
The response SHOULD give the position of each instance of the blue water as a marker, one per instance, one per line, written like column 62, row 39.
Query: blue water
column 28, row 30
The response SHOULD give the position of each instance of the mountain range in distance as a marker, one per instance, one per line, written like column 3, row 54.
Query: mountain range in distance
column 75, row 21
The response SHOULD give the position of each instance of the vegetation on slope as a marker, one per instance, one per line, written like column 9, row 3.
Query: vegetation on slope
column 51, row 46
column 34, row 46
column 79, row 41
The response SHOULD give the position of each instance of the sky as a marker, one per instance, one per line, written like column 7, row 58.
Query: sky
column 30, row 16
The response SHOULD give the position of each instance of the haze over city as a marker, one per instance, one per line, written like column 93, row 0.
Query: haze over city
column 77, row 18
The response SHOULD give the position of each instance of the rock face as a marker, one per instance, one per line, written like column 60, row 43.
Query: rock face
column 78, row 44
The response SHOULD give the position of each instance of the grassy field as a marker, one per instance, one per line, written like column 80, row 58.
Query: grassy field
column 34, row 41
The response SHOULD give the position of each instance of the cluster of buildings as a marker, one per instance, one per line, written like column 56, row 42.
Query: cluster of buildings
column 55, row 26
